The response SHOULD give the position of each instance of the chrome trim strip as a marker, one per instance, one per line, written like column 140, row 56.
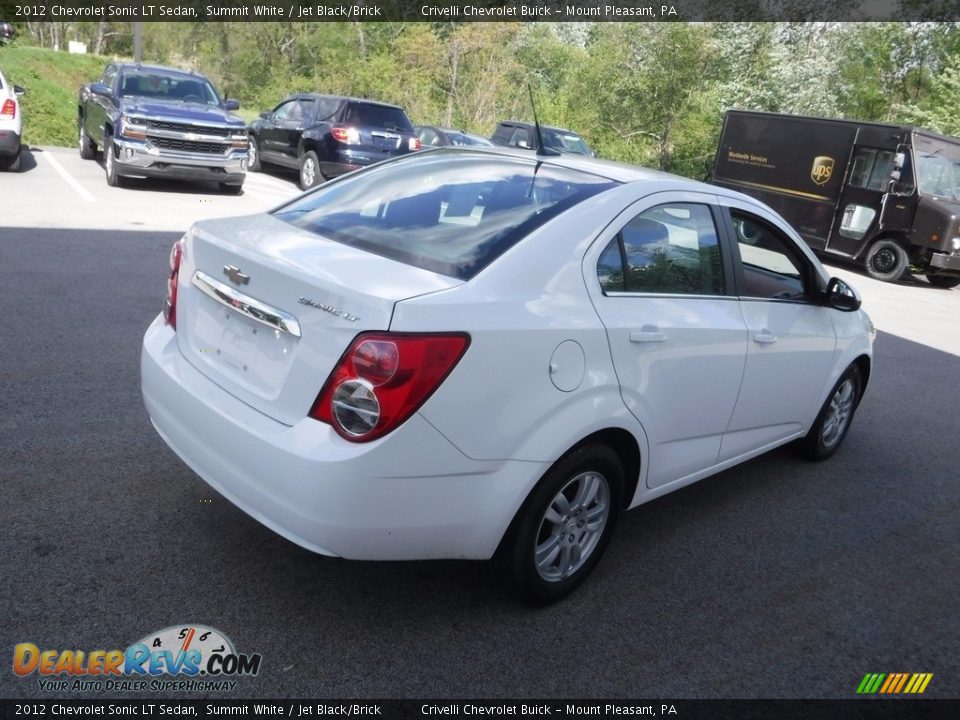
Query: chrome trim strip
column 246, row 305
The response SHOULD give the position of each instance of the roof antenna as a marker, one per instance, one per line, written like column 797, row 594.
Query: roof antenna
column 541, row 148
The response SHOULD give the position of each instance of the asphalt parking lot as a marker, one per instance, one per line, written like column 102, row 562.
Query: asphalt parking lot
column 779, row 578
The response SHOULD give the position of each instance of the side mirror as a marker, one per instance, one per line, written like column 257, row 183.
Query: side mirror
column 17, row 90
column 523, row 144
column 841, row 296
column 265, row 115
column 100, row 89
column 231, row 105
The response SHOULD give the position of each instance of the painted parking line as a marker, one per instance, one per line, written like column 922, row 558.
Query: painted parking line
column 67, row 177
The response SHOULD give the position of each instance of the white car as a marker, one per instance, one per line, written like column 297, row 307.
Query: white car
column 11, row 125
column 479, row 353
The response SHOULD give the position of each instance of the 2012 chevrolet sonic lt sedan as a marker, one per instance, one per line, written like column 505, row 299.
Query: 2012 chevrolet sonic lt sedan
column 488, row 353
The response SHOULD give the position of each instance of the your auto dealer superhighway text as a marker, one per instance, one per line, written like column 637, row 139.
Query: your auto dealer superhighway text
column 543, row 709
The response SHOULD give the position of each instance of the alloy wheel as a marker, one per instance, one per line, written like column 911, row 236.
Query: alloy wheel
column 838, row 416
column 572, row 526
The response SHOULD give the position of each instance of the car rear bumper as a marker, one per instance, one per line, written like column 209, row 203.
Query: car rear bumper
column 410, row 495
column 139, row 159
column 9, row 142
column 344, row 161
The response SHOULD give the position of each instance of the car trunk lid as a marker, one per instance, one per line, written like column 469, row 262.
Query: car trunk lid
column 265, row 309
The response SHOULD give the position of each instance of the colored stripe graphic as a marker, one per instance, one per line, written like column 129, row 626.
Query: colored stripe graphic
column 894, row 683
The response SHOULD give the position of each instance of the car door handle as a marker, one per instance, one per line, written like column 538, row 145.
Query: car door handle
column 765, row 337
column 640, row 336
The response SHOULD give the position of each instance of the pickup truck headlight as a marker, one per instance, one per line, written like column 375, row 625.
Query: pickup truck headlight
column 133, row 127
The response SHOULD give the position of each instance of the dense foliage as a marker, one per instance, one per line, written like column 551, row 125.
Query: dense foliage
column 647, row 93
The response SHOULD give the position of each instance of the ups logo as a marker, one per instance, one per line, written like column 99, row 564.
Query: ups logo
column 822, row 169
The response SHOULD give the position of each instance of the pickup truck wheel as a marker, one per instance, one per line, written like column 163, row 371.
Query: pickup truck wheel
column 943, row 281
column 110, row 163
column 87, row 149
column 886, row 261
column 253, row 155
column 231, row 189
column 309, row 170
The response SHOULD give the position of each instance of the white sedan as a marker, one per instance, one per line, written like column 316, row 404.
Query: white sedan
column 488, row 353
column 11, row 125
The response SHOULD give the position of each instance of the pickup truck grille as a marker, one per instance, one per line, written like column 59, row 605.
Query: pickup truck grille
column 193, row 146
column 195, row 129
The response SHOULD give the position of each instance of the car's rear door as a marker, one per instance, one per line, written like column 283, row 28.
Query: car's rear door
column 663, row 290
column 792, row 341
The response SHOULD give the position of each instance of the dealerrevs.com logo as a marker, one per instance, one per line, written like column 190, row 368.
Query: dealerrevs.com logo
column 180, row 658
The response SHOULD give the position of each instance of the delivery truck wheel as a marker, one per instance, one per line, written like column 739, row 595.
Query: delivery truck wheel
column 943, row 281
column 886, row 261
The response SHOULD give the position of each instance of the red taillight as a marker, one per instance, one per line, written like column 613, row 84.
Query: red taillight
column 347, row 135
column 383, row 378
column 9, row 109
column 170, row 308
column 413, row 144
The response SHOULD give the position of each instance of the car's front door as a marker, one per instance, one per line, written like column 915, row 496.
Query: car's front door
column 271, row 133
column 675, row 328
column 792, row 339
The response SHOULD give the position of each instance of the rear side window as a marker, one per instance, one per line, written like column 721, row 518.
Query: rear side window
column 381, row 116
column 448, row 212
column 671, row 249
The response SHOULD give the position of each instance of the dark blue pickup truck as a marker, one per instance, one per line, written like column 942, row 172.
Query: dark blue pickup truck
column 160, row 122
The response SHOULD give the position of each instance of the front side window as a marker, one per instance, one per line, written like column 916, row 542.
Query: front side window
column 519, row 138
column 450, row 212
column 772, row 265
column 285, row 111
column 670, row 248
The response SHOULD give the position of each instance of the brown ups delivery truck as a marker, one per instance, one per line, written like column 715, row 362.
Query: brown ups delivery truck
column 887, row 195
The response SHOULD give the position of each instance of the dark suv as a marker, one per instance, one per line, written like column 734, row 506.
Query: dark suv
column 324, row 136
column 513, row 133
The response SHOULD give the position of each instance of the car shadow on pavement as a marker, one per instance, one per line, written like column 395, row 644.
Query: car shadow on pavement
column 27, row 160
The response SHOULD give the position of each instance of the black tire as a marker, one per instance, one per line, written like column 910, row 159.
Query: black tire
column 109, row 163
column 231, row 189
column 564, row 539
column 310, row 175
column 88, row 150
column 828, row 432
column 886, row 260
column 4, row 162
column 943, row 281
column 13, row 164
column 253, row 154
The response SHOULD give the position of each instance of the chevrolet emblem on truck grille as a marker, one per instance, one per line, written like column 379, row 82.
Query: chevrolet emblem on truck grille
column 236, row 277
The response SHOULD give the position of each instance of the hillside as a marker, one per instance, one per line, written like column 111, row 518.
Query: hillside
column 52, row 80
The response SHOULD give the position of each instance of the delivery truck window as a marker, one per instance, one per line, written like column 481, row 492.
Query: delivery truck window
column 871, row 169
column 772, row 267
column 669, row 249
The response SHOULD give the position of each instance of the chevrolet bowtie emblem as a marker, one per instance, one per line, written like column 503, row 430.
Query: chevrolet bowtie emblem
column 236, row 277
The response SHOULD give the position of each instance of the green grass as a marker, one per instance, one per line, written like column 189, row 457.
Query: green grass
column 52, row 80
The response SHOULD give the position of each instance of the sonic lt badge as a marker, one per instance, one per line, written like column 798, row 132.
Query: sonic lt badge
column 822, row 169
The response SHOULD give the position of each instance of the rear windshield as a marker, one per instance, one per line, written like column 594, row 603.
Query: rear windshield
column 451, row 212
column 381, row 116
